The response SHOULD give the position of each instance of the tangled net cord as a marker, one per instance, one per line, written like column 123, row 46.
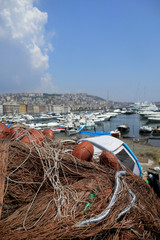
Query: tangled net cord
column 105, row 213
column 52, row 173
column 11, row 180
column 22, row 131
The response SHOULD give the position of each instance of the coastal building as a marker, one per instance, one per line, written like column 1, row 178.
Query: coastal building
column 36, row 109
column 22, row 108
column 30, row 109
column 42, row 108
column 49, row 108
column 1, row 110
column 66, row 109
column 10, row 108
column 58, row 109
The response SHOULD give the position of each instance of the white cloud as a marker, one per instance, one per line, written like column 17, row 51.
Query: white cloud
column 46, row 84
column 38, row 59
column 22, row 23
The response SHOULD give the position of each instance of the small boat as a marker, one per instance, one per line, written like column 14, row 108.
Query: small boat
column 114, row 133
column 118, row 147
column 154, row 119
column 156, row 131
column 58, row 129
column 123, row 128
column 74, row 131
column 145, row 130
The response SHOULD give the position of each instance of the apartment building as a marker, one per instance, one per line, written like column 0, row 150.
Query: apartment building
column 1, row 110
column 22, row 108
column 10, row 108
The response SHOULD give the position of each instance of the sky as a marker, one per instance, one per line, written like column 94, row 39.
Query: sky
column 107, row 48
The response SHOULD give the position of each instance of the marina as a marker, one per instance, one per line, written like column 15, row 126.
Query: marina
column 136, row 124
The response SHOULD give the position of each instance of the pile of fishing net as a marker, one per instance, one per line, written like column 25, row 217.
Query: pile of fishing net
column 50, row 194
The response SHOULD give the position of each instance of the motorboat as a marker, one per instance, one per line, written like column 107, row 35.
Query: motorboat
column 56, row 129
column 145, row 130
column 114, row 133
column 154, row 119
column 123, row 128
column 74, row 130
column 156, row 131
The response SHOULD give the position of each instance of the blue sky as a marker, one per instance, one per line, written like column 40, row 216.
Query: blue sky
column 101, row 47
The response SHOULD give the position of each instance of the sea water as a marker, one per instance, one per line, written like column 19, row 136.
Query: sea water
column 134, row 121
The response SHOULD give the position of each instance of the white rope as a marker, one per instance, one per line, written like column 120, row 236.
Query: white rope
column 107, row 210
column 105, row 213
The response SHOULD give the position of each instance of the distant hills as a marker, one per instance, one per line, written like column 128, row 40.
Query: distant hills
column 63, row 96
column 97, row 98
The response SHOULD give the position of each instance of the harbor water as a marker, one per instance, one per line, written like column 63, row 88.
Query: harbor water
column 134, row 121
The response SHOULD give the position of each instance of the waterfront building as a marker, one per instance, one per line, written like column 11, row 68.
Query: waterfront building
column 22, row 108
column 36, row 109
column 58, row 109
column 1, row 110
column 11, row 108
column 42, row 108
column 30, row 109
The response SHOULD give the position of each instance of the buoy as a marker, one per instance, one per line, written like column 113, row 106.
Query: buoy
column 110, row 159
column 36, row 133
column 16, row 132
column 4, row 131
column 84, row 151
column 48, row 133
column 31, row 139
column 34, row 136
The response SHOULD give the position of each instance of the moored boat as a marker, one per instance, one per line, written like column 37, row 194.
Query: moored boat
column 145, row 130
column 156, row 131
column 74, row 130
column 123, row 128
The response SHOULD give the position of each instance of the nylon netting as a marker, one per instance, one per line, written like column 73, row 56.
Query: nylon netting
column 48, row 193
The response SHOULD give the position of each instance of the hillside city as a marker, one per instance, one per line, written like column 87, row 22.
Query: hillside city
column 35, row 103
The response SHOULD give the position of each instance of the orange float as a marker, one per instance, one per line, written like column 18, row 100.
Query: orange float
column 31, row 140
column 34, row 137
column 84, row 151
column 16, row 132
column 110, row 159
column 4, row 131
column 36, row 133
column 48, row 133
